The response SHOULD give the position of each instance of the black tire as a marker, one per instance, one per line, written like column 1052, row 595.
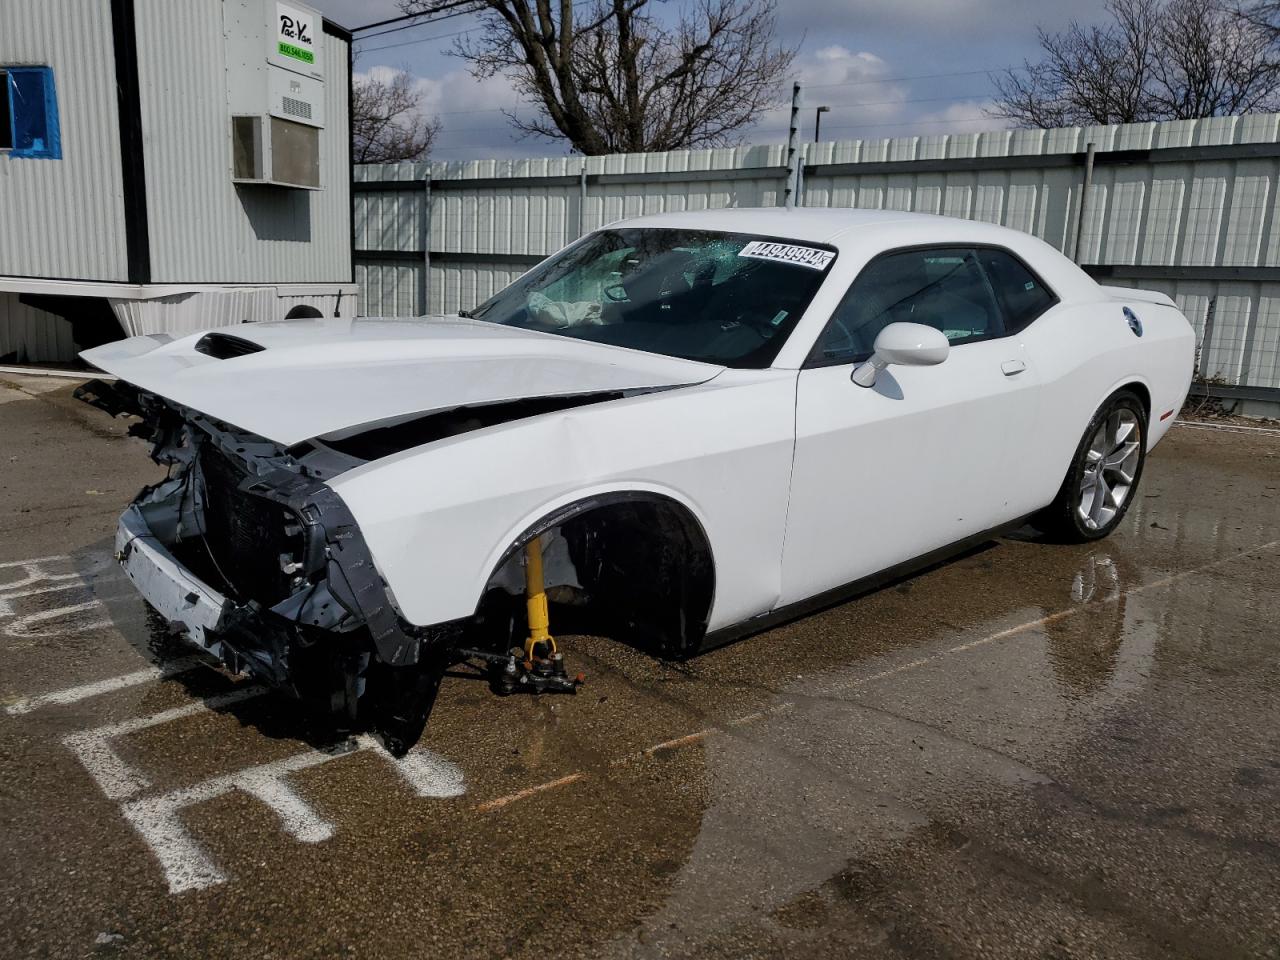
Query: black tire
column 1063, row 519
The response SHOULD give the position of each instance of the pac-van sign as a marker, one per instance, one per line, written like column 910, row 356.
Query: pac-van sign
column 296, row 36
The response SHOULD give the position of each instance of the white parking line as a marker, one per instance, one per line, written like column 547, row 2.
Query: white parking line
column 37, row 579
column 117, row 779
column 20, row 628
column 428, row 774
column 38, row 591
column 35, row 572
column 296, row 816
column 86, row 690
column 157, row 819
column 185, row 863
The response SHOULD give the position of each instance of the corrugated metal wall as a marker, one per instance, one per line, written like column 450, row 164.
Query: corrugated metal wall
column 28, row 335
column 522, row 220
column 205, row 229
column 184, row 313
column 65, row 218
column 1196, row 221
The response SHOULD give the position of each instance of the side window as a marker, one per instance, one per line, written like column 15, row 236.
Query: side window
column 29, row 113
column 943, row 288
column 6, row 116
column 1022, row 295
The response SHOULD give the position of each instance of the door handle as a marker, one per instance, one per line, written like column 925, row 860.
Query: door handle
column 1012, row 368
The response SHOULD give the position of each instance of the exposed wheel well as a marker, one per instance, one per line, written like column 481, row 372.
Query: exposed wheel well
column 637, row 567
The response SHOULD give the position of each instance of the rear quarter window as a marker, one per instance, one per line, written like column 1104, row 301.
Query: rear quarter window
column 1022, row 295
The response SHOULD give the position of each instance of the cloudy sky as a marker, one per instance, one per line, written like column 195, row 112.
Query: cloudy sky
column 885, row 67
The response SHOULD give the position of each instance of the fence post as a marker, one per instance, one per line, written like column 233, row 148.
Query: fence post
column 1084, row 199
column 426, row 243
column 793, row 177
column 582, row 200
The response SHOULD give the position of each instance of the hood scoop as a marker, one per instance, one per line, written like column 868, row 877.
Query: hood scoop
column 223, row 346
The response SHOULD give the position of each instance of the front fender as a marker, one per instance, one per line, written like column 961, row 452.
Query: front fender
column 438, row 519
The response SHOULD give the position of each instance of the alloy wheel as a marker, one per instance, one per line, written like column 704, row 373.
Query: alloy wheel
column 1109, row 468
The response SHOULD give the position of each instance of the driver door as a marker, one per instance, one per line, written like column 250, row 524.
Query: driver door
column 926, row 457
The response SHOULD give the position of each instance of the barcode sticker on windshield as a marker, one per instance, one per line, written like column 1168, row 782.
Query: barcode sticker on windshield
column 811, row 257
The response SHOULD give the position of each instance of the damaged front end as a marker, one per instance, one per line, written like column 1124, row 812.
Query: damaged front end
column 247, row 551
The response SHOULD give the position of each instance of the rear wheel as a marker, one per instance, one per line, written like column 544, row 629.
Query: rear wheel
column 1104, row 473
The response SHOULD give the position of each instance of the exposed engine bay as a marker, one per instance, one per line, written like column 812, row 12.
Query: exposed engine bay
column 245, row 550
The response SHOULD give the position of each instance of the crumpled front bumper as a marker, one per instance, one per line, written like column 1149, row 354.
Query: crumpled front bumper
column 249, row 638
column 186, row 602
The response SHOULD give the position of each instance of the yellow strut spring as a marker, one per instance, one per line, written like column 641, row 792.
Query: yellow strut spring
column 536, row 601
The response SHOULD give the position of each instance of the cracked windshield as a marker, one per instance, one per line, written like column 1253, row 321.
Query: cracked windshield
column 723, row 298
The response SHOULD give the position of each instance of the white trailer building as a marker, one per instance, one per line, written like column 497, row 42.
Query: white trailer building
column 169, row 165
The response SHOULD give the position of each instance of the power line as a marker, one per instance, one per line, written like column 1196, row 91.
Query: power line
column 875, row 124
column 409, row 43
column 890, row 103
column 415, row 16
column 908, row 123
column 477, row 8
column 922, row 76
column 411, row 26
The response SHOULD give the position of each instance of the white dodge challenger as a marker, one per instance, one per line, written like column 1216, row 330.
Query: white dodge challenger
column 678, row 430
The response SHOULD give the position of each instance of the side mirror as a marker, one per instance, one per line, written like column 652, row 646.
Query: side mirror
column 910, row 344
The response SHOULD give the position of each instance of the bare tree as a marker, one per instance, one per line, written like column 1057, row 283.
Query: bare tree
column 1263, row 14
column 611, row 77
column 1172, row 60
column 1213, row 62
column 386, row 124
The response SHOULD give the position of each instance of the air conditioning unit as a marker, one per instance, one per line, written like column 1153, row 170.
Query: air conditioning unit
column 268, row 150
column 275, row 86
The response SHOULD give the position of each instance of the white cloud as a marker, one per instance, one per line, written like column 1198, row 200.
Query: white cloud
column 473, row 124
column 967, row 116
column 857, row 86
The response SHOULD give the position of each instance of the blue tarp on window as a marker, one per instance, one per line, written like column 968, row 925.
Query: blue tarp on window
column 33, row 111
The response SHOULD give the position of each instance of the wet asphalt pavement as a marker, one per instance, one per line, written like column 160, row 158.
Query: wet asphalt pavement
column 1031, row 751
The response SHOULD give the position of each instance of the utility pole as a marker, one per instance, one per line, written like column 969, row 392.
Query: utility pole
column 817, row 120
column 793, row 147
column 1084, row 199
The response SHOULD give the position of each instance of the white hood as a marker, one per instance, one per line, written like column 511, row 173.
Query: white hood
column 314, row 377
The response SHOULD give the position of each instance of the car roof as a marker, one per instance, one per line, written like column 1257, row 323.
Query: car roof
column 820, row 224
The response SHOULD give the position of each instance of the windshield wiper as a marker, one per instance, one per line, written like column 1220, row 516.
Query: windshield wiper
column 466, row 313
